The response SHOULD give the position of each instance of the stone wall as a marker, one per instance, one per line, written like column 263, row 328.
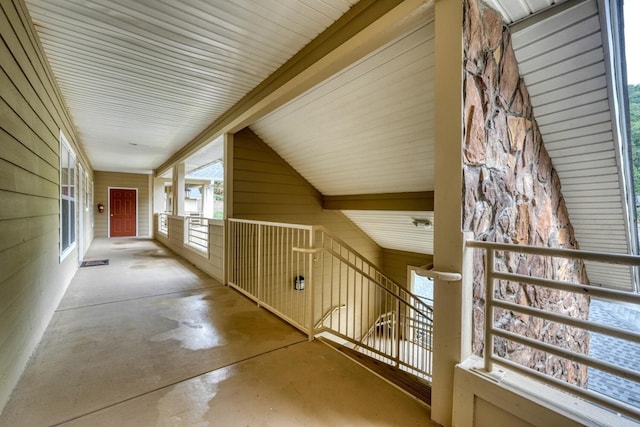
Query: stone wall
column 512, row 194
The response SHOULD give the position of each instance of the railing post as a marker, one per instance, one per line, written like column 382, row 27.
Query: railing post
column 397, row 332
column 488, row 311
column 309, row 286
column 259, row 290
column 230, row 252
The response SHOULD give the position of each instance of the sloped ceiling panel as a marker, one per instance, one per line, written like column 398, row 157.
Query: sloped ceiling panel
column 395, row 230
column 368, row 129
column 562, row 61
column 142, row 78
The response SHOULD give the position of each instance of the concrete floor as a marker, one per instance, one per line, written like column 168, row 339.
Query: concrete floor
column 151, row 341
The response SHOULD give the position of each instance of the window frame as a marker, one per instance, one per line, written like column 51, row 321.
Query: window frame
column 70, row 228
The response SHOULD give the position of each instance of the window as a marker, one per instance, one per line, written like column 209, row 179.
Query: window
column 204, row 187
column 168, row 198
column 218, row 199
column 421, row 286
column 86, row 192
column 193, row 198
column 67, row 198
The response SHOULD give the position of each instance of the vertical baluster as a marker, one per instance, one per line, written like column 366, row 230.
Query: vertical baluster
column 488, row 312
column 281, row 264
column 259, row 266
column 309, row 291
column 354, row 313
column 322, row 282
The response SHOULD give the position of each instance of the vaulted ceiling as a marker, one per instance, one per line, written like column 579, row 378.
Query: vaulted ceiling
column 144, row 79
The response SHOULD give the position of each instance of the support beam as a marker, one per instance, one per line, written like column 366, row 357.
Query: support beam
column 365, row 27
column 415, row 201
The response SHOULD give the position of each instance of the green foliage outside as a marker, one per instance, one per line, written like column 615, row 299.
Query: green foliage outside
column 634, row 114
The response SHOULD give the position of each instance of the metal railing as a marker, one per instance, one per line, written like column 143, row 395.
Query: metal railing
column 197, row 233
column 163, row 226
column 263, row 266
column 495, row 333
column 319, row 284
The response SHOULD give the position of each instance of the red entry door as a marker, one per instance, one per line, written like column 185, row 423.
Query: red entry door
column 122, row 210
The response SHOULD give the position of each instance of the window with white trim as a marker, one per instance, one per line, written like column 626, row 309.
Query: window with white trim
column 67, row 198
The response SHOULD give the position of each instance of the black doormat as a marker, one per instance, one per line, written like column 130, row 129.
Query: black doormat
column 94, row 263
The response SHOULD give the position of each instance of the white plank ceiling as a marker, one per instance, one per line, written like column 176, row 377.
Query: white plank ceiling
column 395, row 229
column 368, row 129
column 142, row 78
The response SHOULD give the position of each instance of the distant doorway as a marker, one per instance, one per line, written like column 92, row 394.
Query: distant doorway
column 123, row 212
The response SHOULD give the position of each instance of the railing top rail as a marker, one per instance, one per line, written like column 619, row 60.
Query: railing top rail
column 346, row 245
column 322, row 229
column 273, row 224
column 608, row 257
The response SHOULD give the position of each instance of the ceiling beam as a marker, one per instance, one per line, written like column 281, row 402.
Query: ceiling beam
column 415, row 201
column 365, row 27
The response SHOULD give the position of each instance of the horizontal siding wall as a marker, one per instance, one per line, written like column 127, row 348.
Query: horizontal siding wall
column 395, row 264
column 104, row 180
column 32, row 277
column 266, row 188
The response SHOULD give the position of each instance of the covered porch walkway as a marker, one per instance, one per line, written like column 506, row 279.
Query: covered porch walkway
column 148, row 340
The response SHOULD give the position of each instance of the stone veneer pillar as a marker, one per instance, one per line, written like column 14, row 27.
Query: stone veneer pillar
column 512, row 194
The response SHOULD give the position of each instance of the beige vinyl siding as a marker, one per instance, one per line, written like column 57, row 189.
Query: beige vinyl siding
column 395, row 264
column 175, row 233
column 32, row 277
column 216, row 249
column 266, row 188
column 104, row 180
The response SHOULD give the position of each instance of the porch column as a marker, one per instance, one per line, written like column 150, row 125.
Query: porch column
column 227, row 199
column 158, row 195
column 178, row 189
column 228, row 176
column 208, row 199
column 448, row 237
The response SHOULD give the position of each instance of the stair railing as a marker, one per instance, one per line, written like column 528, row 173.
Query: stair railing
column 301, row 273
